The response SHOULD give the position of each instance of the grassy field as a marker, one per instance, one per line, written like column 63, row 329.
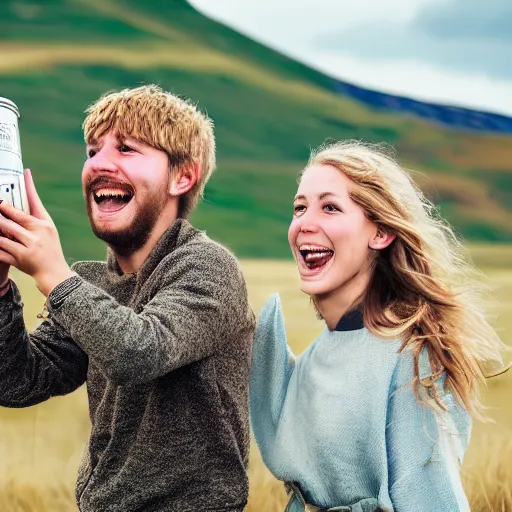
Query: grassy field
column 41, row 446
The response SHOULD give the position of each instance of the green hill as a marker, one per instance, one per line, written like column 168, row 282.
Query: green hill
column 58, row 56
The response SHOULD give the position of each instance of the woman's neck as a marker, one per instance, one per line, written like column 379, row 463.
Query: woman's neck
column 333, row 305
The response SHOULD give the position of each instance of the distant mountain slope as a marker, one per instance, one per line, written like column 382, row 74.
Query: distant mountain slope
column 455, row 117
column 228, row 40
column 58, row 56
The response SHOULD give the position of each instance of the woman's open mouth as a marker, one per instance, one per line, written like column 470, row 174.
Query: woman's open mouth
column 315, row 257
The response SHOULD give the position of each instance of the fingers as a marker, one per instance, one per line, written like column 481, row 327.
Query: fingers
column 8, row 251
column 15, row 214
column 11, row 226
column 37, row 208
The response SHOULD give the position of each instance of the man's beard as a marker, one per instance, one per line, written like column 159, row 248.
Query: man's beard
column 130, row 239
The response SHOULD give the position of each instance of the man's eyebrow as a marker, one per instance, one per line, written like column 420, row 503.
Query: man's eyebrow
column 91, row 143
column 131, row 141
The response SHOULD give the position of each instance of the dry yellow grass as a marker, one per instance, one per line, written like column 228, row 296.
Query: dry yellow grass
column 41, row 446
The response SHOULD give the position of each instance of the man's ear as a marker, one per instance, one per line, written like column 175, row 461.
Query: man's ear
column 184, row 179
column 381, row 239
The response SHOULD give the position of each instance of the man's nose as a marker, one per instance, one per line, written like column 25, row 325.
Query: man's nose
column 102, row 161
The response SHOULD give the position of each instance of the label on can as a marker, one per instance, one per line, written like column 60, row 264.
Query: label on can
column 12, row 182
column 8, row 139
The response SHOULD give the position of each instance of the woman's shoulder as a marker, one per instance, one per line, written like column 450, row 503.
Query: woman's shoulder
column 271, row 308
column 271, row 332
column 406, row 363
column 431, row 389
column 270, row 339
column 270, row 320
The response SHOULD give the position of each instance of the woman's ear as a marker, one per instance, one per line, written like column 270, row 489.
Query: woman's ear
column 381, row 239
column 183, row 179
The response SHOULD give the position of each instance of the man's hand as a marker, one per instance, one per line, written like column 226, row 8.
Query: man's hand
column 35, row 248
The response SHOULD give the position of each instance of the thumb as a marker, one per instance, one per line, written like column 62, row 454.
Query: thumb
column 36, row 205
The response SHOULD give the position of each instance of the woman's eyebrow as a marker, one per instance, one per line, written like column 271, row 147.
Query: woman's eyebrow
column 322, row 195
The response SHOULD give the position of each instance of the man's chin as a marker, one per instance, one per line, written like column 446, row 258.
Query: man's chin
column 105, row 232
column 109, row 234
column 128, row 230
column 123, row 241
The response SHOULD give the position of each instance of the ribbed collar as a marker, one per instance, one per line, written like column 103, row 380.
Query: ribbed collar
column 351, row 321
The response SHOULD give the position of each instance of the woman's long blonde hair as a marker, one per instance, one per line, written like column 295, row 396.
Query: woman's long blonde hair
column 422, row 286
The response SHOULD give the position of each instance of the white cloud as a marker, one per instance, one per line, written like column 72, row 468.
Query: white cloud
column 460, row 19
column 297, row 20
column 403, row 47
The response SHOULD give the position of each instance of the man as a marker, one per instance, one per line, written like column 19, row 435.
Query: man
column 161, row 331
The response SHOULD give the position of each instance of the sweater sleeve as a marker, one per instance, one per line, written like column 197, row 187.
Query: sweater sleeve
column 425, row 444
column 36, row 366
column 200, row 303
column 271, row 368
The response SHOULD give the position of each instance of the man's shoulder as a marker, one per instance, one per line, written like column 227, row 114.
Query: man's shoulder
column 199, row 259
column 205, row 251
column 90, row 270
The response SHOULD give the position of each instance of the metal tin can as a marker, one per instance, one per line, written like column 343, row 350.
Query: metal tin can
column 12, row 182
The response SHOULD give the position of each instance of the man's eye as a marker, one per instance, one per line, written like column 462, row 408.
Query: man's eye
column 91, row 153
column 125, row 149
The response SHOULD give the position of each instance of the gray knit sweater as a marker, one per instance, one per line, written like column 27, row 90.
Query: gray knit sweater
column 165, row 353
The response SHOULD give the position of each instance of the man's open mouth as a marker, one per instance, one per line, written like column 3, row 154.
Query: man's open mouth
column 111, row 196
column 315, row 257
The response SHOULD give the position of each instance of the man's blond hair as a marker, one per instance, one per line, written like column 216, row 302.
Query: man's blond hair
column 162, row 120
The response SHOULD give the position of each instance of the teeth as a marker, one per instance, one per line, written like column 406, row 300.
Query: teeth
column 110, row 192
column 314, row 248
column 316, row 255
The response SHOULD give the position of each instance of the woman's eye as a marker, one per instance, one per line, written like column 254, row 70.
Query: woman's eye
column 298, row 208
column 331, row 208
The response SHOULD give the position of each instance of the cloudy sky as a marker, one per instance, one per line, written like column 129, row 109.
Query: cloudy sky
column 457, row 52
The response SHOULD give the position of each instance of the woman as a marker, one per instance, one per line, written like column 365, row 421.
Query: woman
column 375, row 414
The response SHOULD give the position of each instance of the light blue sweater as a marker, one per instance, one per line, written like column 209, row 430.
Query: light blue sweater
column 342, row 421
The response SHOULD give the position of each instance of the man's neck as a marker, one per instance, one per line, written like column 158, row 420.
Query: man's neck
column 131, row 263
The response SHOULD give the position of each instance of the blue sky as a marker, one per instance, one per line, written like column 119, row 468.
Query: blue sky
column 457, row 52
